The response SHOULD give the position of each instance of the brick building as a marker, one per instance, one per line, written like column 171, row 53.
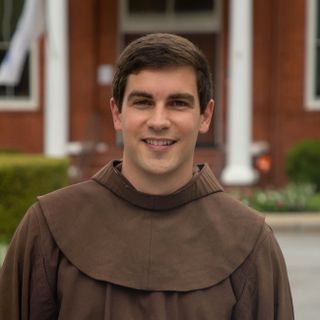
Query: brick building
column 284, row 83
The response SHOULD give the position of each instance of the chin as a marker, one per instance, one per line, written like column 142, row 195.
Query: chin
column 160, row 167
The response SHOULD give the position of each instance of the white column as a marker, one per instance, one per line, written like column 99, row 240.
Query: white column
column 238, row 170
column 56, row 82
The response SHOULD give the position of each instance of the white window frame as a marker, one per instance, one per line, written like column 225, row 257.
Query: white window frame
column 312, row 103
column 30, row 103
column 169, row 22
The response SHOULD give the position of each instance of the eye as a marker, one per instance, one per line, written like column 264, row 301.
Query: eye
column 142, row 103
column 179, row 104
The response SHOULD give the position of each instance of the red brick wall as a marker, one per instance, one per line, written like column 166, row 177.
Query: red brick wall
column 280, row 116
column 93, row 41
column 23, row 130
column 82, row 51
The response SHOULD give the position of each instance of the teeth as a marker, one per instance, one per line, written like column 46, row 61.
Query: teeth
column 159, row 142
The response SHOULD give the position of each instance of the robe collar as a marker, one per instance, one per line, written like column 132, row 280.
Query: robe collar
column 202, row 184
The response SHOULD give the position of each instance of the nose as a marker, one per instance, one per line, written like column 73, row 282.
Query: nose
column 159, row 118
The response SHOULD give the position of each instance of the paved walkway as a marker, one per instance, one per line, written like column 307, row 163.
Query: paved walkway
column 294, row 221
column 299, row 239
column 301, row 250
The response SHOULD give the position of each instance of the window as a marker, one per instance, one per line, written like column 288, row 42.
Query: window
column 313, row 56
column 137, row 16
column 193, row 6
column 22, row 96
column 177, row 6
column 148, row 6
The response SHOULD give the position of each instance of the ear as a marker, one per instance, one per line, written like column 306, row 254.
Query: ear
column 116, row 115
column 206, row 117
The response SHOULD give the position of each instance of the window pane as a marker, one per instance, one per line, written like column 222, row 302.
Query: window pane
column 10, row 11
column 149, row 6
column 22, row 90
column 193, row 5
column 9, row 15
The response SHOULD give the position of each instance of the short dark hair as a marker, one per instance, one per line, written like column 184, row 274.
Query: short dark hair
column 157, row 51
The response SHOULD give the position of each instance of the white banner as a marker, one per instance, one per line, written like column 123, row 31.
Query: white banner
column 30, row 26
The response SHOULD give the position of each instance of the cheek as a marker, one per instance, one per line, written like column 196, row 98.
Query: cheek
column 190, row 125
column 130, row 126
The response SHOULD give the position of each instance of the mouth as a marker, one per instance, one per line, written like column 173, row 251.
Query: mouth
column 159, row 142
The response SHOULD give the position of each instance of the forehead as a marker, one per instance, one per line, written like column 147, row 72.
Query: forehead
column 163, row 81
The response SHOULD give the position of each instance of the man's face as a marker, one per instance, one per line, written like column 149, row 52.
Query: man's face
column 160, row 121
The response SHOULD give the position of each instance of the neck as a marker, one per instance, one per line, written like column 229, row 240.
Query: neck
column 156, row 184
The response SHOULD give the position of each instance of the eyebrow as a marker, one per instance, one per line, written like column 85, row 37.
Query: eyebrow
column 139, row 94
column 143, row 94
column 184, row 96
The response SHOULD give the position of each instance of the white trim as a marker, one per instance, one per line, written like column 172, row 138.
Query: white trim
column 238, row 170
column 56, row 112
column 190, row 23
column 26, row 104
column 311, row 102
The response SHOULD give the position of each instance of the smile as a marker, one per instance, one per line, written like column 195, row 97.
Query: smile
column 159, row 142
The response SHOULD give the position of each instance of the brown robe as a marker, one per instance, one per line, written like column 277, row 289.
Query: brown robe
column 102, row 250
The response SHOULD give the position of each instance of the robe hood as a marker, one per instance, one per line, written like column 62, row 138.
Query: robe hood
column 188, row 240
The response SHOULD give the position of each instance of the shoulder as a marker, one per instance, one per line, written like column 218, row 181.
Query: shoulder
column 31, row 242
column 32, row 234
column 72, row 192
column 235, row 220
column 72, row 201
column 30, row 264
column 30, row 230
column 74, row 214
column 251, row 221
column 233, row 207
column 73, row 205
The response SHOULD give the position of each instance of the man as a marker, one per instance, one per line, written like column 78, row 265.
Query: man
column 151, row 236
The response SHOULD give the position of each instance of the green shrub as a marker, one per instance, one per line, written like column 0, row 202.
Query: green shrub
column 313, row 203
column 8, row 151
column 303, row 163
column 22, row 179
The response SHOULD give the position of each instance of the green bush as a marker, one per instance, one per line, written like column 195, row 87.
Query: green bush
column 313, row 203
column 22, row 179
column 292, row 198
column 8, row 151
column 303, row 163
